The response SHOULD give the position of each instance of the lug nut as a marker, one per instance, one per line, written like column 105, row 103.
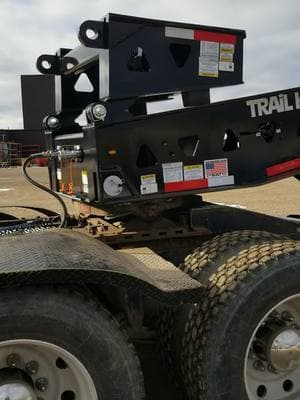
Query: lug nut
column 251, row 355
column 41, row 384
column 275, row 315
column 13, row 360
column 258, row 365
column 32, row 367
column 287, row 316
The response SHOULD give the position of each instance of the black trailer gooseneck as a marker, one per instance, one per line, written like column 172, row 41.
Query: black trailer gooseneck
column 218, row 287
column 130, row 156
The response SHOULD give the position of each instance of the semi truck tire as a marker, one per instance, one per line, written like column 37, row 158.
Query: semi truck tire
column 243, row 340
column 200, row 264
column 56, row 344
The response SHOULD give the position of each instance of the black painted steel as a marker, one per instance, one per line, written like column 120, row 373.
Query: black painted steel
column 134, row 61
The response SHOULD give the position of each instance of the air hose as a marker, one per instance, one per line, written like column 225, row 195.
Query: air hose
column 48, row 155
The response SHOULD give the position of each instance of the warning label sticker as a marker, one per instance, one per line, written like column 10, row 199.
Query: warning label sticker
column 218, row 167
column 172, row 172
column 226, row 66
column 226, row 57
column 148, row 184
column 209, row 48
column 146, row 179
column 148, row 188
column 192, row 172
column 226, row 52
column 209, row 59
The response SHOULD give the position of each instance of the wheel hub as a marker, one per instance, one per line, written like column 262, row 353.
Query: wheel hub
column 16, row 391
column 278, row 344
column 16, row 384
column 284, row 352
column 272, row 365
column 37, row 370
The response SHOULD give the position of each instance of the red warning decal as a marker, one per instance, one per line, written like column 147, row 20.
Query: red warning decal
column 214, row 37
column 207, row 36
column 283, row 167
column 186, row 185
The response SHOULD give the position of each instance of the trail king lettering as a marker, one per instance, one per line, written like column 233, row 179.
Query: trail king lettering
column 268, row 105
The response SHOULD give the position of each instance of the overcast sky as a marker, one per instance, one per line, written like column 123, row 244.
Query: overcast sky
column 29, row 28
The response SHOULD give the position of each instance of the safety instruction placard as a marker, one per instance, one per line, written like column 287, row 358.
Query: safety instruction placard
column 172, row 172
column 226, row 52
column 192, row 172
column 209, row 59
column 148, row 184
column 215, row 57
column 226, row 57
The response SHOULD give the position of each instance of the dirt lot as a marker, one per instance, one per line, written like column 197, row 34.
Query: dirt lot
column 278, row 199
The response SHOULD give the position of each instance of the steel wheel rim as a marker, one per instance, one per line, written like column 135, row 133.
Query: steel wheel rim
column 272, row 362
column 38, row 370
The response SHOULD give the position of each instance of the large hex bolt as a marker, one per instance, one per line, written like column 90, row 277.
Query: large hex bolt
column 32, row 367
column 41, row 384
column 12, row 360
column 287, row 316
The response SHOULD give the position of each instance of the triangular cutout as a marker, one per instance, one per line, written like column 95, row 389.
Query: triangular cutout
column 189, row 145
column 83, row 84
column 145, row 157
column 138, row 61
column 180, row 53
column 230, row 142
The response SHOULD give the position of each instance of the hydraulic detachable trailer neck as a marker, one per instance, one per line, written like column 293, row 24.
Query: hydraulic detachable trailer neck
column 122, row 154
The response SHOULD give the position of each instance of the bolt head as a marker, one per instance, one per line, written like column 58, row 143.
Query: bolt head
column 32, row 367
column 251, row 355
column 41, row 384
column 13, row 360
column 287, row 316
column 99, row 111
column 52, row 122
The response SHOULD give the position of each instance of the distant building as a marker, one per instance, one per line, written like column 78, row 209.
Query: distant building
column 38, row 100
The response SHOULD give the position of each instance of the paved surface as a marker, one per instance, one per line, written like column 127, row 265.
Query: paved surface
column 278, row 198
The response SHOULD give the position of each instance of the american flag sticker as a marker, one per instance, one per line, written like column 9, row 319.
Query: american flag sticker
column 214, row 168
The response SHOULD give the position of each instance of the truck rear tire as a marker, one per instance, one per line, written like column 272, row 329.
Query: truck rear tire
column 200, row 265
column 243, row 340
column 56, row 344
